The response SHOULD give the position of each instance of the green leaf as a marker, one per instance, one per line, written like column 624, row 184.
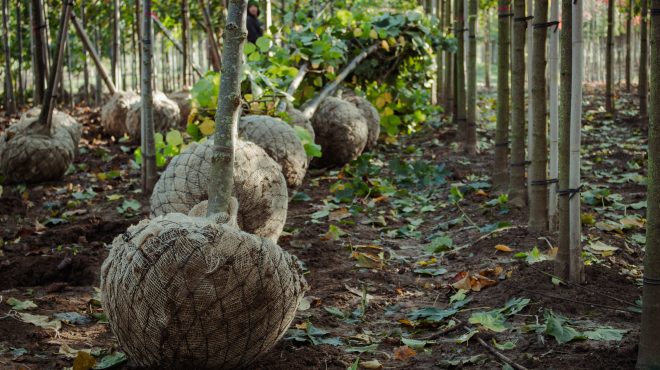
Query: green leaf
column 416, row 343
column 504, row 346
column 431, row 314
column 336, row 312
column 249, row 48
column 264, row 43
column 174, row 138
column 439, row 244
column 431, row 271
column 605, row 334
column 369, row 348
column 19, row 305
column 556, row 327
column 111, row 360
column 491, row 320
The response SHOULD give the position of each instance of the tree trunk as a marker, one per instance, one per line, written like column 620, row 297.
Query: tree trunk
column 440, row 57
column 10, row 102
column 97, row 86
column 500, row 173
column 138, row 33
column 517, row 190
column 83, row 21
column 88, row 47
column 226, row 117
column 649, row 346
column 148, row 146
column 530, row 47
column 643, row 64
column 471, row 133
column 553, row 68
column 216, row 58
column 628, row 31
column 538, row 201
column 19, row 37
column 449, row 63
column 609, row 56
column 268, row 15
column 186, row 43
column 487, row 42
column 461, row 113
column 114, row 67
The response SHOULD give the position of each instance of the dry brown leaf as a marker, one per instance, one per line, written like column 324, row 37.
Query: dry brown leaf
column 84, row 361
column 372, row 365
column 403, row 353
column 503, row 248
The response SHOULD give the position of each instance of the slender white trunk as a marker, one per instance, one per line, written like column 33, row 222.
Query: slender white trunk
column 530, row 126
column 553, row 69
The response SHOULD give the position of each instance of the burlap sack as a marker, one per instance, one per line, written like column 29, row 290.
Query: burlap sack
column 115, row 112
column 166, row 116
column 370, row 113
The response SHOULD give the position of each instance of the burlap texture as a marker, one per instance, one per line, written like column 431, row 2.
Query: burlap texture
column 296, row 118
column 341, row 130
column 259, row 187
column 370, row 113
column 166, row 115
column 186, row 292
column 281, row 143
column 115, row 112
column 29, row 154
column 183, row 100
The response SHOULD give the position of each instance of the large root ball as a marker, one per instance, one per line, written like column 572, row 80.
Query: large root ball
column 184, row 292
column 28, row 153
column 183, row 99
column 370, row 113
column 281, row 143
column 167, row 116
column 341, row 130
column 297, row 119
column 259, row 187
column 115, row 112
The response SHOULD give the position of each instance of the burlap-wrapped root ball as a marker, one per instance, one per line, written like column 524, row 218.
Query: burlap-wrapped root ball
column 341, row 130
column 115, row 112
column 259, row 187
column 29, row 154
column 297, row 119
column 370, row 113
column 281, row 143
column 185, row 292
column 183, row 99
column 167, row 115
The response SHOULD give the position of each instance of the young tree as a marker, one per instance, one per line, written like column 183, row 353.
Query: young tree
column 185, row 28
column 643, row 63
column 609, row 58
column 449, row 62
column 148, row 147
column 461, row 113
column 471, row 129
column 553, row 68
column 500, row 166
column 10, row 102
column 538, row 201
column 39, row 37
column 649, row 346
column 115, row 43
column 628, row 39
column 517, row 191
column 19, row 37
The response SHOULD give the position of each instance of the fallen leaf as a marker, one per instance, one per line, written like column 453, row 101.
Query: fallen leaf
column 339, row 214
column 503, row 248
column 83, row 361
column 19, row 305
column 601, row 248
column 372, row 365
column 41, row 321
column 403, row 353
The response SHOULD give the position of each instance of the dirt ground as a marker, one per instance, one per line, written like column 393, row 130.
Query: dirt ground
column 54, row 238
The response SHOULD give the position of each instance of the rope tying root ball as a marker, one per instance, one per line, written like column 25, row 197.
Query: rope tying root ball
column 185, row 292
column 259, row 187
column 281, row 143
column 30, row 154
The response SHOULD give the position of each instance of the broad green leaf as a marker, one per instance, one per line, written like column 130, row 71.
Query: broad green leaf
column 19, row 305
column 491, row 320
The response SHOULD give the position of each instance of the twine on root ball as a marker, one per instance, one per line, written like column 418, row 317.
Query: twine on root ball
column 259, row 187
column 191, row 292
column 341, row 130
column 281, row 143
column 115, row 112
column 166, row 112
column 28, row 154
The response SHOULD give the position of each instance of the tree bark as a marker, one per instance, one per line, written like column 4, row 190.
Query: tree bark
column 19, row 37
column 471, row 132
column 87, row 46
column 440, row 57
column 500, row 173
column 216, row 58
column 461, row 112
column 185, row 41
column 83, row 21
column 10, row 100
column 487, row 42
column 114, row 66
column 643, row 64
column 529, row 33
column 517, row 190
column 649, row 346
column 609, row 59
column 628, row 31
column 538, row 201
column 553, row 68
column 449, row 63
column 148, row 146
column 226, row 118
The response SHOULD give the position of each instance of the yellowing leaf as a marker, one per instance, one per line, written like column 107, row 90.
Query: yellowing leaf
column 84, row 361
column 339, row 214
column 373, row 365
column 631, row 222
column 385, row 45
column 357, row 32
column 207, row 127
column 403, row 353
column 503, row 248
column 373, row 34
column 481, row 193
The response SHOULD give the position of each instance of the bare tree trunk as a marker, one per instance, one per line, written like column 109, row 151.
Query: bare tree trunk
column 643, row 64
column 148, row 147
column 226, row 118
column 649, row 346
column 538, row 201
column 461, row 112
column 85, row 66
column 609, row 56
column 138, row 33
column 10, row 100
column 88, row 47
column 19, row 37
column 268, row 14
column 97, row 88
column 440, row 57
column 216, row 58
column 553, row 69
column 186, row 43
column 114, row 67
column 530, row 48
column 487, row 42
column 517, row 190
column 500, row 173
column 471, row 129
column 449, row 63
column 628, row 31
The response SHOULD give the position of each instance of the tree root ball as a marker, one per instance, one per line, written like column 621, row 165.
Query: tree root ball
column 297, row 119
column 185, row 292
column 115, row 112
column 341, row 130
column 370, row 113
column 281, row 143
column 183, row 99
column 167, row 116
column 259, row 187
column 30, row 154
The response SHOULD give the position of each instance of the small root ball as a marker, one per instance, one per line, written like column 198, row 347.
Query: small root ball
column 259, row 187
column 115, row 112
column 281, row 143
column 370, row 113
column 183, row 99
column 28, row 153
column 185, row 292
column 166, row 116
column 297, row 118
column 341, row 130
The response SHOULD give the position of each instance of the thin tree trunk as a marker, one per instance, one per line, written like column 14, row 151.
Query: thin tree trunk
column 500, row 173
column 97, row 86
column 10, row 102
column 487, row 50
column 180, row 48
column 114, row 67
column 226, row 117
column 138, row 33
column 83, row 21
column 471, row 133
column 553, row 69
column 440, row 57
column 19, row 37
column 538, row 201
column 461, row 112
column 643, row 64
column 649, row 346
column 530, row 47
column 268, row 14
column 609, row 59
column 216, row 58
column 449, row 62
column 148, row 147
column 517, row 190
column 88, row 47
column 186, row 42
